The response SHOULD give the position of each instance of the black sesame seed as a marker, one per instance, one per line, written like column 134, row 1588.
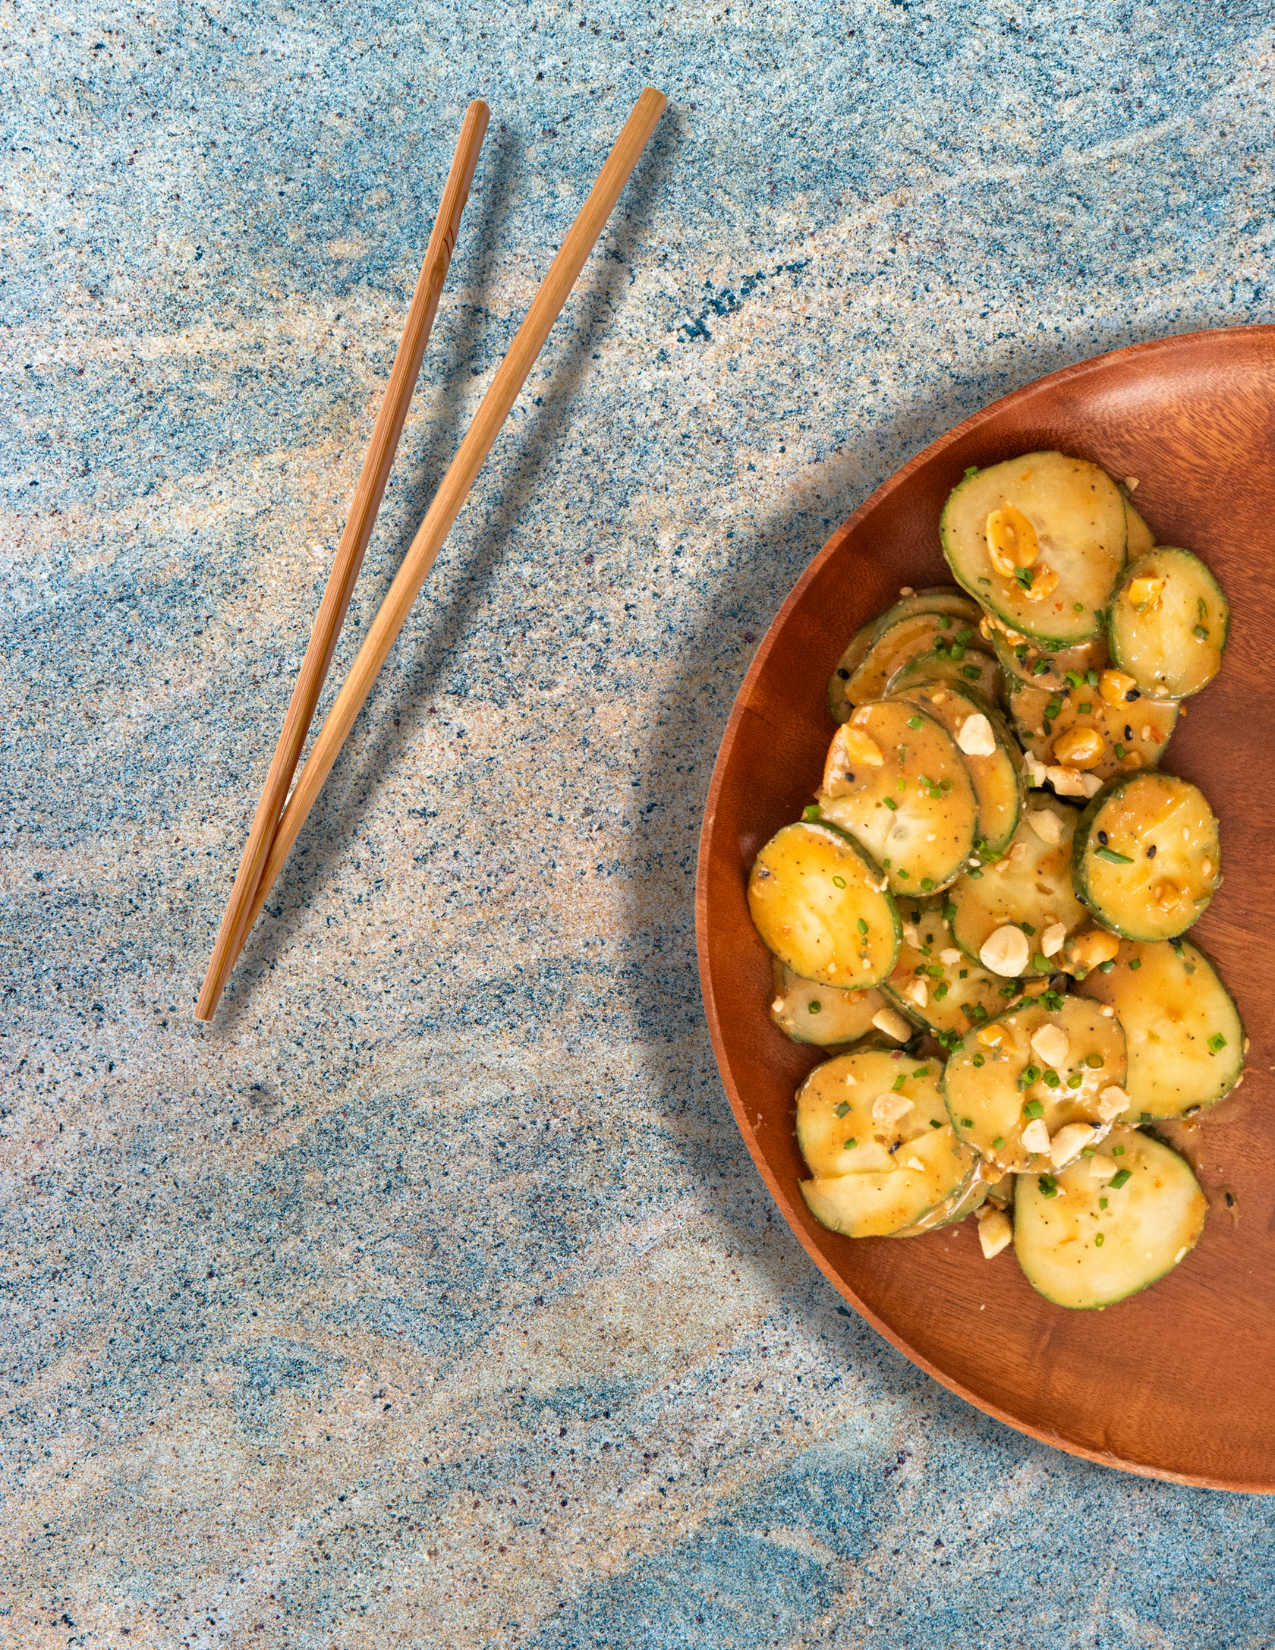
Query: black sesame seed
column 1230, row 1201
column 844, row 674
column 1128, row 732
column 1151, row 851
column 1102, row 837
column 1133, row 693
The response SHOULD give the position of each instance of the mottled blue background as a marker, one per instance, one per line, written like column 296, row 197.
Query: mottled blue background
column 429, row 1297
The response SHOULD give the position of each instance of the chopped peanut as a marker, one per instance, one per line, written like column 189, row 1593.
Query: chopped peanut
column 1005, row 952
column 887, row 1110
column 893, row 1024
column 1101, row 1167
column 1079, row 747
column 1111, row 1102
column 1011, row 540
column 1069, row 1141
column 1036, row 1136
column 1115, row 686
column 1089, row 949
column 1044, row 584
column 1144, row 590
column 1050, row 1043
column 861, row 747
column 917, row 992
column 1051, row 941
column 995, row 1231
column 975, row 737
column 1047, row 826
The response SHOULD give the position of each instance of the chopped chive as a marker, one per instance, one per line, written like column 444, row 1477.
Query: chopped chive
column 949, row 911
column 1040, row 962
column 1048, row 1184
column 1217, row 1042
column 1052, row 1079
column 941, row 991
column 976, row 1011
column 967, row 1122
column 1026, row 578
column 899, row 1081
column 972, row 470
column 1033, row 1109
column 850, row 1144
column 965, row 973
column 842, row 1108
column 1106, row 967
column 1053, row 709
column 978, row 1060
column 1041, row 667
column 935, row 972
column 957, row 652
column 1073, row 679
column 886, row 863
column 1077, row 607
column 1094, row 1061
column 998, row 1142
column 1119, row 750
column 927, row 883
column 1110, row 854
column 814, row 1006
column 972, row 671
column 945, row 621
column 1102, row 1203
column 1091, row 678
column 811, row 811
column 1201, row 609
column 921, row 1071
column 974, row 875
column 1050, row 1000
column 964, row 634
column 890, row 803
column 1098, row 1240
column 945, row 784
column 1086, row 708
column 1117, row 1151
column 1075, row 1080
column 1010, row 990
column 838, row 882
column 1118, row 1179
column 901, row 872
column 1201, row 632
column 1134, row 962
column 862, row 926
column 915, row 722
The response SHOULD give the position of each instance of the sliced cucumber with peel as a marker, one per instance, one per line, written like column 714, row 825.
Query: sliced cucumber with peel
column 897, row 646
column 1134, row 735
column 1146, row 858
column 874, row 1131
column 1048, row 668
column 1084, row 1241
column 972, row 669
column 944, row 599
column 1140, row 537
column 821, row 906
column 1077, row 516
column 934, row 983
column 1186, row 1042
column 825, row 1015
column 1169, row 624
column 997, row 774
column 1029, row 887
column 896, row 781
column 998, row 1082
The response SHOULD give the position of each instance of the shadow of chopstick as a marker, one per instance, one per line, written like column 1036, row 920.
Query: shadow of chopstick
column 525, row 457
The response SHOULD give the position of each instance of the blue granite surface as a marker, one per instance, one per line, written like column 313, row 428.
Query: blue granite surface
column 429, row 1297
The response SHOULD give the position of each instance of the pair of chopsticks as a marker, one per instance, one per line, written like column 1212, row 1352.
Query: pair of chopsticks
column 280, row 816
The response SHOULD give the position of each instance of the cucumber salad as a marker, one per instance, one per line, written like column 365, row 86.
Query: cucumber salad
column 982, row 916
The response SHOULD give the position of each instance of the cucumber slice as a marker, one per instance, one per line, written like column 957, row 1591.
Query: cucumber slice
column 915, row 811
column 1133, row 735
column 1077, row 514
column 856, row 652
column 997, row 775
column 903, row 641
column 904, row 1161
column 1186, row 1043
column 1030, row 887
column 934, row 983
column 1086, row 1242
column 1040, row 667
column 821, row 906
column 944, row 598
column 962, row 1203
column 1146, row 858
column 999, row 1082
column 972, row 668
column 821, row 1014
column 1140, row 537
column 1169, row 624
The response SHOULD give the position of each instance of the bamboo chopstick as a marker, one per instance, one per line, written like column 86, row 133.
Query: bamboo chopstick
column 451, row 495
column 349, row 556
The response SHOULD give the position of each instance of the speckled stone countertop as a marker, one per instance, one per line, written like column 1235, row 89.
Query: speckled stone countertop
column 429, row 1297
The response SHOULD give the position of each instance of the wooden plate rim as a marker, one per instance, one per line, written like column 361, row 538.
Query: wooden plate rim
column 1136, row 353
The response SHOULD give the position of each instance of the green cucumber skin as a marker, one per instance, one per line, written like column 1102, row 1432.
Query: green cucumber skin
column 941, row 598
column 1044, row 638
column 1131, row 572
column 1079, row 880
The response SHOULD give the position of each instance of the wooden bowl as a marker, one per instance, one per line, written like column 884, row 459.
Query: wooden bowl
column 1175, row 1382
